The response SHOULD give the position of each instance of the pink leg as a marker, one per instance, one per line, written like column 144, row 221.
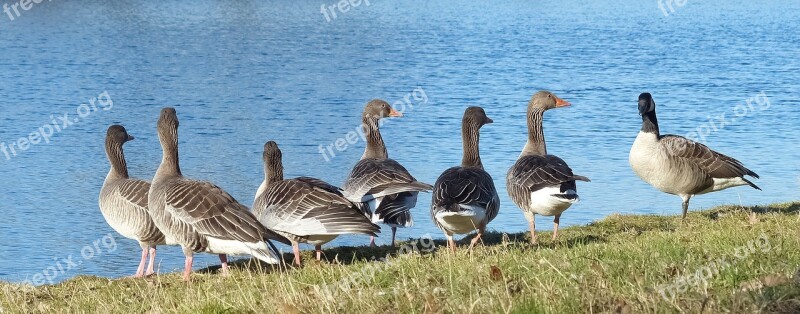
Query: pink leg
column 319, row 252
column 187, row 267
column 394, row 233
column 150, row 267
column 296, row 249
column 372, row 241
column 476, row 239
column 451, row 243
column 223, row 259
column 532, row 226
column 555, row 226
column 140, row 270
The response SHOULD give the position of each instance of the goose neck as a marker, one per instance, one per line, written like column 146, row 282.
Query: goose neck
column 536, row 143
column 470, row 137
column 273, row 171
column 375, row 146
column 116, row 156
column 650, row 123
column 170, row 166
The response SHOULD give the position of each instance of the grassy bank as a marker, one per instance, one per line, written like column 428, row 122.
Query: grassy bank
column 727, row 259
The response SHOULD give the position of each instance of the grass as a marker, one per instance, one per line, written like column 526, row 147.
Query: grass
column 748, row 256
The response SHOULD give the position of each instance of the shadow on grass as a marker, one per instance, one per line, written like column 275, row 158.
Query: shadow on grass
column 780, row 299
column 786, row 209
column 252, row 264
column 595, row 232
column 346, row 255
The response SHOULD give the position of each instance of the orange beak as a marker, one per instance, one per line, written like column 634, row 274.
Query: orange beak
column 562, row 103
column 395, row 113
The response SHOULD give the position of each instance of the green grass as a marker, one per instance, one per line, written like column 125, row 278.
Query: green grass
column 613, row 265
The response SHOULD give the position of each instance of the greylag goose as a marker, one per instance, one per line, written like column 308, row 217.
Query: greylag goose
column 680, row 166
column 123, row 202
column 464, row 198
column 200, row 215
column 540, row 183
column 383, row 189
column 305, row 210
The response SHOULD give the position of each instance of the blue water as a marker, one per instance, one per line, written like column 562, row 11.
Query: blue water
column 241, row 73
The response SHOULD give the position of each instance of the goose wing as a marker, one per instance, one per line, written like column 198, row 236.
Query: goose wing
column 132, row 194
column 135, row 192
column 308, row 206
column 380, row 177
column 319, row 184
column 532, row 173
column 467, row 186
column 713, row 163
column 213, row 212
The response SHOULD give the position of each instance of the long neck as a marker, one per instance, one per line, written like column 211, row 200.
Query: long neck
column 119, row 168
column 169, row 160
column 535, row 144
column 650, row 123
column 273, row 171
column 470, row 137
column 375, row 146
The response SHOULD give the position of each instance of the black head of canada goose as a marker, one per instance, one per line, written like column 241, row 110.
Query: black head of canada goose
column 123, row 202
column 381, row 187
column 200, row 215
column 305, row 209
column 539, row 183
column 464, row 197
column 677, row 165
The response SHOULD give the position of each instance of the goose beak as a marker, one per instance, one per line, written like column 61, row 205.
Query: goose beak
column 130, row 137
column 489, row 120
column 395, row 113
column 562, row 103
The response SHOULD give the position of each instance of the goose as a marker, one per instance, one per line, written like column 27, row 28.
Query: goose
column 201, row 216
column 464, row 197
column 383, row 188
column 680, row 166
column 123, row 202
column 305, row 209
column 539, row 183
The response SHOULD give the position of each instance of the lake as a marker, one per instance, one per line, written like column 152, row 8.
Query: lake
column 241, row 73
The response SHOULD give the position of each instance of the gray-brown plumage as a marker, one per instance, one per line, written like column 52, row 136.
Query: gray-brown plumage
column 305, row 210
column 464, row 197
column 384, row 189
column 539, row 183
column 200, row 215
column 679, row 166
column 123, row 202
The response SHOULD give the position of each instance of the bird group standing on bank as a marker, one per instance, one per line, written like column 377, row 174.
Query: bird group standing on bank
column 201, row 217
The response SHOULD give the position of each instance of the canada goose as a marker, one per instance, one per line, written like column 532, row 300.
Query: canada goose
column 304, row 209
column 200, row 215
column 464, row 197
column 384, row 188
column 123, row 202
column 540, row 183
column 680, row 166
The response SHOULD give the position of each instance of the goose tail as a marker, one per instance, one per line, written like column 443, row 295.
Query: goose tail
column 266, row 252
column 750, row 183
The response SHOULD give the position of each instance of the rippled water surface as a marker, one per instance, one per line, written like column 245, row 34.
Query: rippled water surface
column 240, row 73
